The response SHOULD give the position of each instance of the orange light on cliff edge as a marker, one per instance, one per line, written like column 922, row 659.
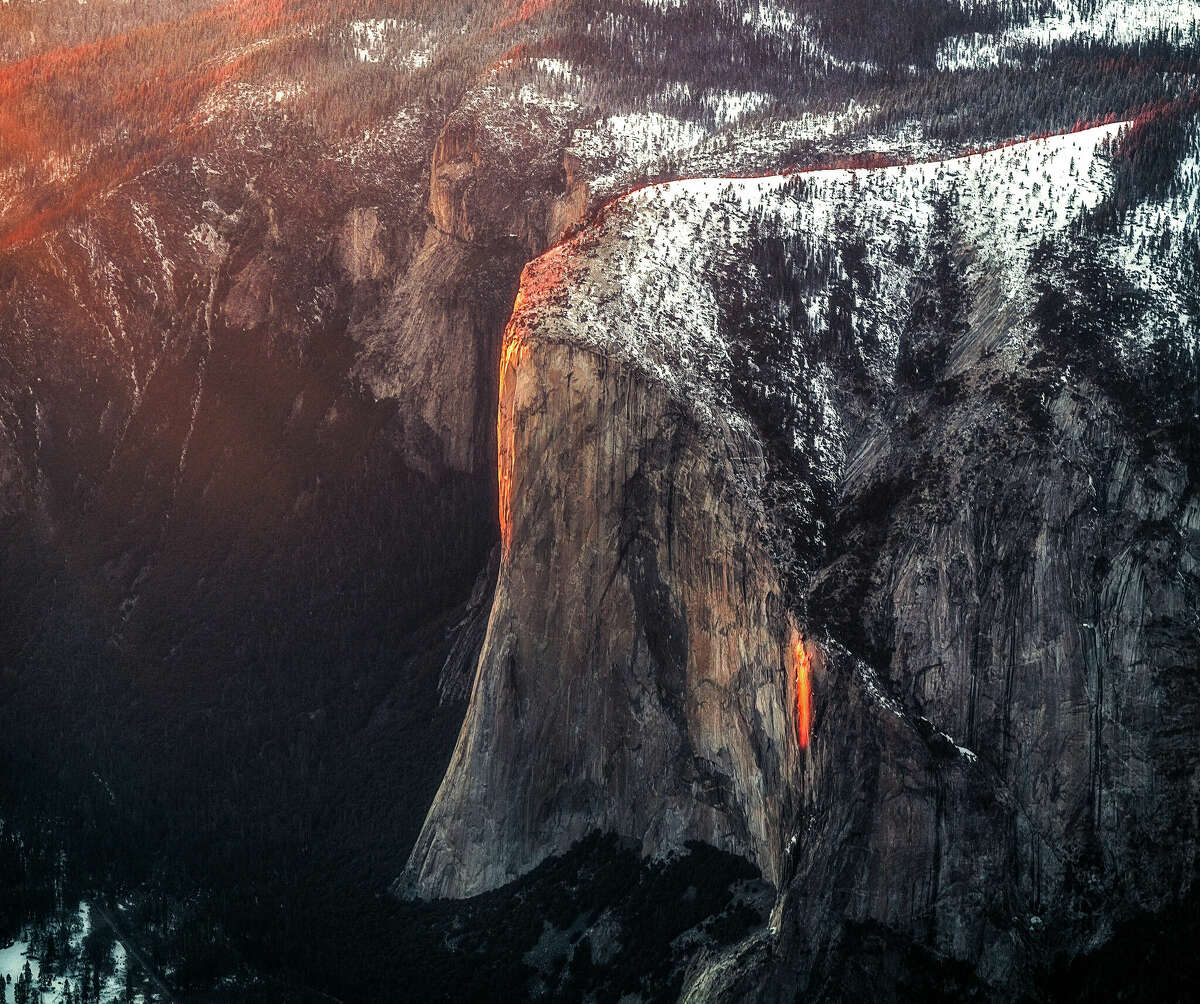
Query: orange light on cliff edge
column 525, row 10
column 510, row 359
column 540, row 283
column 803, row 695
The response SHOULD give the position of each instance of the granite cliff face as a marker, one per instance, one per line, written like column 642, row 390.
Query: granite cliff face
column 637, row 670
column 1034, row 846
column 829, row 518
column 212, row 480
column 997, row 635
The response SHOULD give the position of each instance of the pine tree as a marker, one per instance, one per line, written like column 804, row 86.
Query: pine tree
column 940, row 305
column 49, row 958
column 21, row 992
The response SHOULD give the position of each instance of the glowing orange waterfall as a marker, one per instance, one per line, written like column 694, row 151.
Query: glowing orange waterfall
column 506, row 432
column 803, row 695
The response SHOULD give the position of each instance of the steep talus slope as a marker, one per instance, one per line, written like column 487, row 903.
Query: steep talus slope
column 1022, row 585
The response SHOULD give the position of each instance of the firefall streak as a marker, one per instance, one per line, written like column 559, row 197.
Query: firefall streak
column 803, row 695
column 506, row 434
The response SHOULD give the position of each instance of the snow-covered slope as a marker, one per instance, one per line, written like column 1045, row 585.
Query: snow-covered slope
column 655, row 256
column 1115, row 21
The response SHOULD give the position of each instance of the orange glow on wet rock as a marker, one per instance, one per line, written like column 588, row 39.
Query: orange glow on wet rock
column 803, row 695
column 541, row 282
column 506, row 446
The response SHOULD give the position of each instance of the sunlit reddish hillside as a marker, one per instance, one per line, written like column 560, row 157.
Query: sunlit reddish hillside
column 80, row 117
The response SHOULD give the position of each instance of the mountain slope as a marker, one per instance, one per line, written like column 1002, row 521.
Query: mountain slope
column 764, row 436
column 642, row 662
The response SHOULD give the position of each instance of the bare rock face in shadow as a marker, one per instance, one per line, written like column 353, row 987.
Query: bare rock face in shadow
column 496, row 200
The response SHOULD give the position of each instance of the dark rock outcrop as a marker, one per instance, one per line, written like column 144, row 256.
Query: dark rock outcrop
column 496, row 200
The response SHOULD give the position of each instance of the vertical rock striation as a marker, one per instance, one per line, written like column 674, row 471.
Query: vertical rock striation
column 635, row 672
column 497, row 198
